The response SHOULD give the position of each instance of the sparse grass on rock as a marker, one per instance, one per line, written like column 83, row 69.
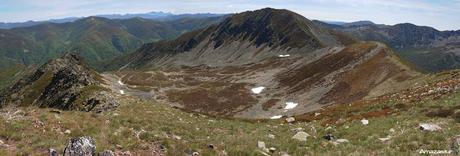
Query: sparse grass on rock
column 137, row 126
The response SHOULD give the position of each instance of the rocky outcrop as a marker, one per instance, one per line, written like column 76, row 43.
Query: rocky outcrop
column 82, row 146
column 64, row 83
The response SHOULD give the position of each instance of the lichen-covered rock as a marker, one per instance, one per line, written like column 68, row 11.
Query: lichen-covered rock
column 102, row 101
column 82, row 146
column 429, row 127
column 290, row 119
column 301, row 136
column 455, row 144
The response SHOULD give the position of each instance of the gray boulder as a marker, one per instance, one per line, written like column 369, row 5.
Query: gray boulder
column 107, row 153
column 82, row 146
column 52, row 152
column 301, row 136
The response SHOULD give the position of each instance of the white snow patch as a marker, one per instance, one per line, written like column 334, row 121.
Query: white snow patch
column 121, row 83
column 291, row 105
column 282, row 56
column 365, row 121
column 257, row 90
column 122, row 92
column 276, row 117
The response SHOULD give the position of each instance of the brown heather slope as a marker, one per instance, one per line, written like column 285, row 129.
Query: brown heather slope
column 329, row 76
column 355, row 71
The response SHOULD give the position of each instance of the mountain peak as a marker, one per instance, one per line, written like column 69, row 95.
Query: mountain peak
column 93, row 19
column 261, row 31
column 69, row 60
column 270, row 10
column 359, row 23
column 272, row 27
column 265, row 14
column 63, row 83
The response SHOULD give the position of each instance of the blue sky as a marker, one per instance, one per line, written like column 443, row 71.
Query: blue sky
column 441, row 14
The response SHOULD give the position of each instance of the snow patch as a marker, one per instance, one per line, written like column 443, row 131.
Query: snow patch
column 365, row 121
column 291, row 105
column 282, row 56
column 257, row 90
column 122, row 92
column 276, row 117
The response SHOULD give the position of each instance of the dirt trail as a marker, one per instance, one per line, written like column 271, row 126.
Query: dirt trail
column 116, row 85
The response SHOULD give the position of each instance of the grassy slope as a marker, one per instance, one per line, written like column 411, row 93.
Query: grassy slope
column 431, row 60
column 236, row 137
column 10, row 74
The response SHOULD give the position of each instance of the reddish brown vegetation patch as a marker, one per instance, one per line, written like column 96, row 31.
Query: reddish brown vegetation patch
column 305, row 76
column 372, row 114
column 356, row 84
column 404, row 100
column 253, row 67
column 347, row 112
column 214, row 99
column 440, row 112
column 434, row 90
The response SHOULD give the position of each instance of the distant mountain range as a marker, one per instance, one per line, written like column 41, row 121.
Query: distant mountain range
column 94, row 38
column 162, row 16
column 103, row 37
column 357, row 23
column 430, row 49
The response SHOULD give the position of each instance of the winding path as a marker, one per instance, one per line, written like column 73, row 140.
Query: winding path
column 116, row 85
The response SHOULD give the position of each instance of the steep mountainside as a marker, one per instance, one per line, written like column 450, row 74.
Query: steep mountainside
column 95, row 39
column 261, row 64
column 430, row 49
column 63, row 83
column 243, row 38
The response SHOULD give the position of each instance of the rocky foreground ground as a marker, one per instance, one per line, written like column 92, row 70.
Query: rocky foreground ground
column 407, row 123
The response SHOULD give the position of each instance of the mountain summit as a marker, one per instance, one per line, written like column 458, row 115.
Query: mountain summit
column 63, row 83
column 243, row 38
column 270, row 27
